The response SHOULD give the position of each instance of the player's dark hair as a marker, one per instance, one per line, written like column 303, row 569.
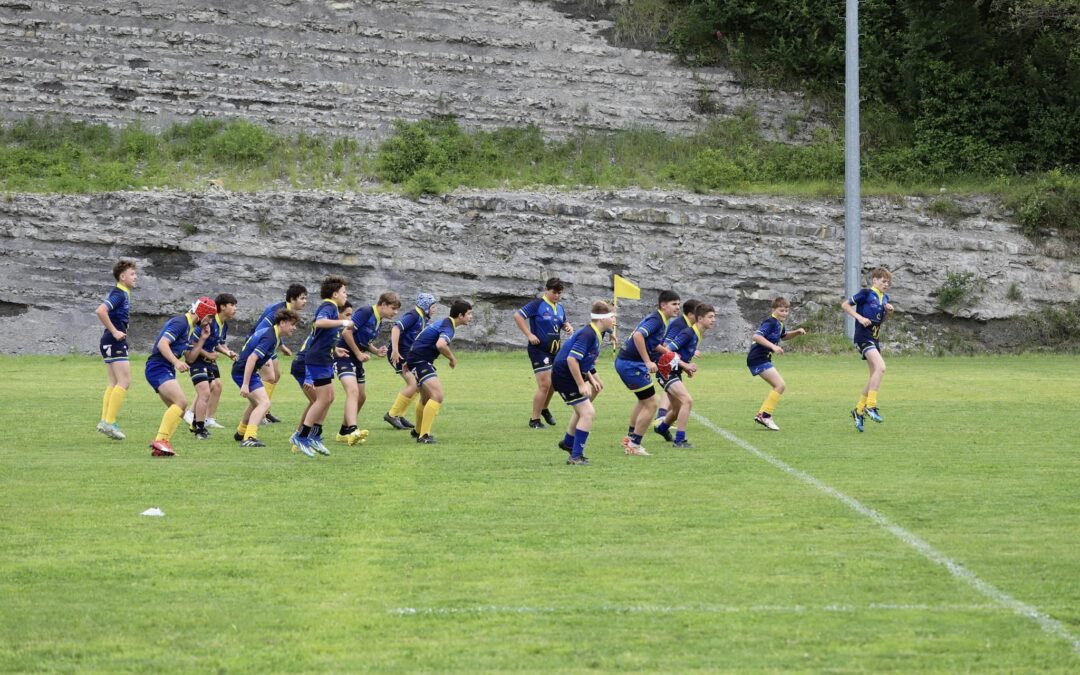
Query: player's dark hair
column 459, row 307
column 389, row 298
column 286, row 315
column 554, row 284
column 780, row 302
column 330, row 285
column 347, row 305
column 122, row 266
column 667, row 296
column 294, row 292
column 701, row 309
column 224, row 299
column 689, row 306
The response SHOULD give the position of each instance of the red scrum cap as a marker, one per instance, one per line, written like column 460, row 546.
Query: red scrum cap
column 204, row 307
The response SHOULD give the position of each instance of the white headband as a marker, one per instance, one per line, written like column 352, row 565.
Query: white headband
column 597, row 317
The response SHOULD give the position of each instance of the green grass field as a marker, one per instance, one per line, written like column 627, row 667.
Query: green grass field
column 486, row 552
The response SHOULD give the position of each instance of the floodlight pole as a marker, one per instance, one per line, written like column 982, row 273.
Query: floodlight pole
column 852, row 184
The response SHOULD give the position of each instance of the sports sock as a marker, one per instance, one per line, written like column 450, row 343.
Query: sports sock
column 169, row 421
column 680, row 436
column 630, row 430
column 661, row 413
column 769, row 404
column 251, row 432
column 241, row 428
column 419, row 415
column 269, row 387
column 305, row 431
column 871, row 400
column 401, row 403
column 105, row 402
column 116, row 400
column 662, row 427
column 431, row 410
column 568, row 440
column 635, row 439
column 580, row 438
column 344, row 430
column 860, row 407
column 316, row 430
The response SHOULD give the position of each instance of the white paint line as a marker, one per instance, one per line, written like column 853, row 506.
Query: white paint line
column 1046, row 622
column 693, row 609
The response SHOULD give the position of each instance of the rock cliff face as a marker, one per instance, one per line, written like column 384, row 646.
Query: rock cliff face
column 354, row 67
column 496, row 248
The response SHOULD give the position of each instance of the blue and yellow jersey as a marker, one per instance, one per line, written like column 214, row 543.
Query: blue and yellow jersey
column 119, row 303
column 677, row 325
column 545, row 318
column 366, row 321
column 870, row 303
column 425, row 349
column 653, row 328
column 263, row 344
column 179, row 331
column 266, row 319
column 584, row 346
column 410, row 325
column 219, row 333
column 685, row 342
column 772, row 329
column 319, row 349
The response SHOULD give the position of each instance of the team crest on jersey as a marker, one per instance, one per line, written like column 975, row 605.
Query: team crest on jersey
column 546, row 360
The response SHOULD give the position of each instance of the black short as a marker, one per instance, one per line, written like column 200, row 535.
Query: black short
column 645, row 394
column 401, row 365
column 349, row 367
column 568, row 390
column 204, row 371
column 542, row 356
column 113, row 351
column 666, row 382
column 866, row 345
column 423, row 370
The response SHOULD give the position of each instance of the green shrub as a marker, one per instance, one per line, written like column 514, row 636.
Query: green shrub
column 241, row 142
column 959, row 289
column 945, row 209
column 1052, row 202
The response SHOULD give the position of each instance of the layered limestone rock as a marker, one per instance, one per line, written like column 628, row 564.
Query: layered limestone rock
column 496, row 249
column 355, row 67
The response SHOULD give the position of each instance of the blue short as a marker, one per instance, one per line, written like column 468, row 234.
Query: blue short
column 866, row 345
column 319, row 374
column 666, row 382
column 634, row 374
column 758, row 367
column 158, row 372
column 567, row 389
column 297, row 370
column 254, row 383
column 204, row 371
column 423, row 370
column 113, row 351
column 349, row 367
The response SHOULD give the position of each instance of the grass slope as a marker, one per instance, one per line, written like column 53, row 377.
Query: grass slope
column 486, row 552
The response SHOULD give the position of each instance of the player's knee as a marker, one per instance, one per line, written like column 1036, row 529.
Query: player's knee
column 780, row 387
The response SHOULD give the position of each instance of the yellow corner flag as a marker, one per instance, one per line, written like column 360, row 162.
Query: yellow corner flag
column 626, row 289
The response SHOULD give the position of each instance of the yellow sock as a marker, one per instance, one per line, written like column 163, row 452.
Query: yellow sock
column 105, row 401
column 419, row 416
column 431, row 411
column 871, row 399
column 269, row 387
column 401, row 404
column 769, row 404
column 252, row 431
column 241, row 428
column 115, row 401
column 861, row 406
column 169, row 421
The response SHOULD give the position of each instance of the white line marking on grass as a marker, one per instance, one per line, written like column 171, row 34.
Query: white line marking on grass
column 1048, row 623
column 692, row 609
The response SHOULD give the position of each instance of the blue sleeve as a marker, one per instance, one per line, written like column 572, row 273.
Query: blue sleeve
column 530, row 309
column 649, row 325
column 579, row 345
column 115, row 298
column 264, row 346
column 406, row 322
column 175, row 328
column 764, row 329
column 327, row 311
column 446, row 332
column 859, row 298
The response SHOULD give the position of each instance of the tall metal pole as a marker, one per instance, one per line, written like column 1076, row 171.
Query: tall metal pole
column 852, row 184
